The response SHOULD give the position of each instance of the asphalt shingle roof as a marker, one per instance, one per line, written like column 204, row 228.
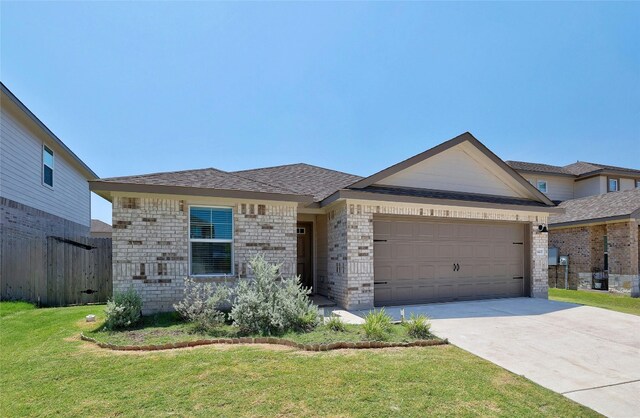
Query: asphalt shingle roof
column 606, row 205
column 207, row 178
column 99, row 226
column 302, row 179
column 579, row 168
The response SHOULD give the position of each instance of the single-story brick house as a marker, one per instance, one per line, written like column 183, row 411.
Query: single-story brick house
column 599, row 234
column 452, row 223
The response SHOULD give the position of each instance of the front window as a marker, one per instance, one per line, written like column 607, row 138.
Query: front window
column 542, row 186
column 47, row 166
column 211, row 241
column 613, row 185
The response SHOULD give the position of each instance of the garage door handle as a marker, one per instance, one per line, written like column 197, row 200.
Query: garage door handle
column 456, row 267
column 379, row 240
column 518, row 278
column 379, row 283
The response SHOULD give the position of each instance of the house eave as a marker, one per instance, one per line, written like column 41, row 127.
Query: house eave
column 361, row 195
column 593, row 221
column 104, row 189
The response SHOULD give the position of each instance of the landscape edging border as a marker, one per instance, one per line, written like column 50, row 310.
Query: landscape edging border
column 266, row 340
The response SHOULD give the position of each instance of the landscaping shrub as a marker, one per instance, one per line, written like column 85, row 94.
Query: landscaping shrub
column 418, row 326
column 377, row 325
column 201, row 304
column 123, row 310
column 334, row 323
column 271, row 305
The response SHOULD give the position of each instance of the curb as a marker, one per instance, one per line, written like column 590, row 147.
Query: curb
column 267, row 340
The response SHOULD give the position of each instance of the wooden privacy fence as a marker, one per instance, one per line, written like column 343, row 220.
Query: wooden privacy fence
column 57, row 271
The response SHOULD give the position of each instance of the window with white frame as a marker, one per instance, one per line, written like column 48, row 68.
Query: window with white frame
column 211, row 241
column 638, row 184
column 542, row 186
column 47, row 166
column 614, row 185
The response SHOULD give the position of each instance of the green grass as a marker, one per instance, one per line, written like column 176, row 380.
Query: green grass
column 613, row 301
column 168, row 328
column 45, row 370
column 10, row 308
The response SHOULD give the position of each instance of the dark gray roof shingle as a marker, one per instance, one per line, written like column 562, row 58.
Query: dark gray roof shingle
column 606, row 205
column 207, row 178
column 579, row 168
column 302, row 179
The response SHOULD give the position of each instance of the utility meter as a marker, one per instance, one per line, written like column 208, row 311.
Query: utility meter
column 564, row 260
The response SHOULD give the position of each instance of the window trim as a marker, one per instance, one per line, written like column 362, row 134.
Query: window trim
column 42, row 166
column 637, row 183
column 546, row 185
column 231, row 241
column 617, row 180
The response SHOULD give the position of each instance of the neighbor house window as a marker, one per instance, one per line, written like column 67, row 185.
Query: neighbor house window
column 211, row 241
column 637, row 184
column 542, row 186
column 614, row 185
column 47, row 166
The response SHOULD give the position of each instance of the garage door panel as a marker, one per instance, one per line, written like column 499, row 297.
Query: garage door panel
column 416, row 263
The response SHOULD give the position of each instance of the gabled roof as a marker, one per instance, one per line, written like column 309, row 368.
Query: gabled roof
column 302, row 178
column 577, row 170
column 205, row 182
column 465, row 137
column 599, row 208
column 83, row 168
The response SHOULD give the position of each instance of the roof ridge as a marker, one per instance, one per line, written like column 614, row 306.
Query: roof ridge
column 264, row 183
column 294, row 164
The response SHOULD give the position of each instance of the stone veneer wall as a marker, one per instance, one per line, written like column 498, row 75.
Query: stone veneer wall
column 151, row 246
column 585, row 247
column 350, row 238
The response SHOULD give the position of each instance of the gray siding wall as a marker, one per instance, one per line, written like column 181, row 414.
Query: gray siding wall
column 590, row 187
column 558, row 188
column 21, row 174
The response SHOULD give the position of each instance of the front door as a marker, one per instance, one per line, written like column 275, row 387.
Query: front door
column 305, row 253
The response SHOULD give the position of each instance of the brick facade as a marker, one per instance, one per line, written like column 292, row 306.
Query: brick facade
column 151, row 244
column 350, row 238
column 585, row 247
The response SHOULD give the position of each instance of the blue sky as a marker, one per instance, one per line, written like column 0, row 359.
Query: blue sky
column 144, row 87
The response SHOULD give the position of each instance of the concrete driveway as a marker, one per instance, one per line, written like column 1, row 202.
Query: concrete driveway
column 590, row 355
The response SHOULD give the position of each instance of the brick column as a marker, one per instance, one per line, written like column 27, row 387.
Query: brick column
column 539, row 262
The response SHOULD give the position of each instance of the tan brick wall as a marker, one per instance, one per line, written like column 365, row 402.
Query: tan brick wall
column 151, row 245
column 350, row 237
column 585, row 247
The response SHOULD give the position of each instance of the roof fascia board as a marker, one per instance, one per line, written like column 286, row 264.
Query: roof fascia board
column 607, row 172
column 89, row 174
column 102, row 186
column 360, row 195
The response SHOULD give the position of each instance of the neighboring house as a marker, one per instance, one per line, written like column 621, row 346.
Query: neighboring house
column 43, row 192
column 100, row 229
column 598, row 219
column 577, row 180
column 452, row 223
column 599, row 234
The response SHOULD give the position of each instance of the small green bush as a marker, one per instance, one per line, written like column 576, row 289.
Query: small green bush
column 377, row 325
column 123, row 310
column 334, row 323
column 269, row 304
column 418, row 326
column 201, row 304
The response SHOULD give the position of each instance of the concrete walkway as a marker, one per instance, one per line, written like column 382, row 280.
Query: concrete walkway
column 590, row 355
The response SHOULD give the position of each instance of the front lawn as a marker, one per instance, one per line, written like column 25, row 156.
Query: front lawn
column 613, row 301
column 168, row 328
column 45, row 370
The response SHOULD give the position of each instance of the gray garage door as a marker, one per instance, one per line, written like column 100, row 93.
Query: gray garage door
column 417, row 261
